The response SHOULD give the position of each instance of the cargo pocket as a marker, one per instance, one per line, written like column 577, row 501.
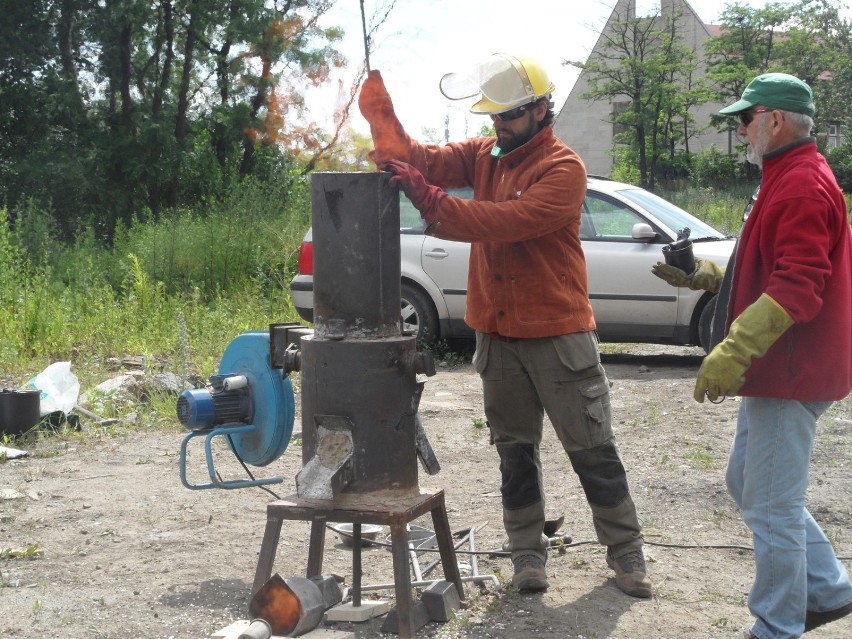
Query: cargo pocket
column 578, row 353
column 597, row 410
column 486, row 359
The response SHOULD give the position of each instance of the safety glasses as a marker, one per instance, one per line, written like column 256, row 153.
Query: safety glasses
column 514, row 114
column 746, row 117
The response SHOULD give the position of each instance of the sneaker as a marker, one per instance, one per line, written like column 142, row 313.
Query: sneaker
column 744, row 634
column 815, row 619
column 631, row 575
column 529, row 574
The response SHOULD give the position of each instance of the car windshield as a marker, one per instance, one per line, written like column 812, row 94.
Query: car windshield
column 672, row 216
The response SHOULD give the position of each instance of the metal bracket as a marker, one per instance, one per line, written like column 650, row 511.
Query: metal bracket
column 215, row 480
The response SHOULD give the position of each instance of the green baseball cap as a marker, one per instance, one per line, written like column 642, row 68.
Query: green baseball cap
column 775, row 90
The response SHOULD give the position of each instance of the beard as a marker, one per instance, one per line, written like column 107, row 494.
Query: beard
column 509, row 141
column 758, row 147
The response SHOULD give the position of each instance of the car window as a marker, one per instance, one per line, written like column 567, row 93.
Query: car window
column 608, row 219
column 409, row 217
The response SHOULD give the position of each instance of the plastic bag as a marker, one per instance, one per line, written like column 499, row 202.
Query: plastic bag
column 59, row 388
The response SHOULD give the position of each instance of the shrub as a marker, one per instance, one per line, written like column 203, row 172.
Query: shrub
column 840, row 161
column 713, row 168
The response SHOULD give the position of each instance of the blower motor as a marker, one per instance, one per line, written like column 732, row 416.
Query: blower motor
column 224, row 401
column 250, row 403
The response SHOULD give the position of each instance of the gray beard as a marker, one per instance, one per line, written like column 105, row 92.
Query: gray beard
column 754, row 157
column 757, row 149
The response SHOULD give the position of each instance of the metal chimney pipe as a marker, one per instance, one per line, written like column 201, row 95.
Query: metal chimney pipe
column 356, row 255
column 359, row 373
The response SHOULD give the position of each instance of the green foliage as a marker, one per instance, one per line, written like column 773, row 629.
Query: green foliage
column 626, row 167
column 224, row 272
column 840, row 160
column 648, row 75
column 712, row 168
column 806, row 39
column 112, row 109
column 253, row 234
column 487, row 131
column 720, row 206
column 674, row 168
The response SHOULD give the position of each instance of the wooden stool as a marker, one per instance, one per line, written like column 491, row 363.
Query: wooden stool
column 396, row 515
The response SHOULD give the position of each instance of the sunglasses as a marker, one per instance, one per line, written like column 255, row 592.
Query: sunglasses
column 514, row 114
column 746, row 117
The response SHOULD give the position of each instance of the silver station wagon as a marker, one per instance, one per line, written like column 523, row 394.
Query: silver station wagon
column 623, row 230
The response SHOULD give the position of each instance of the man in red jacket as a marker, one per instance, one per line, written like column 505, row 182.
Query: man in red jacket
column 787, row 351
column 536, row 349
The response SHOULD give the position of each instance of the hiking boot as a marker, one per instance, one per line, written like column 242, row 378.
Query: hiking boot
column 631, row 575
column 529, row 574
column 814, row 619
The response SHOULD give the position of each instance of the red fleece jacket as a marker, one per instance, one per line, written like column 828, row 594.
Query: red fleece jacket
column 796, row 246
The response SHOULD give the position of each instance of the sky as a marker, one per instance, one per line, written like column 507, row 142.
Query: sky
column 423, row 39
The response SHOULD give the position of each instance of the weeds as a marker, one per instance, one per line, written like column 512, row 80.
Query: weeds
column 176, row 289
column 698, row 457
column 28, row 552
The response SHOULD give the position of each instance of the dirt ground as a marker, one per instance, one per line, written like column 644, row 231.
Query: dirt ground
column 122, row 549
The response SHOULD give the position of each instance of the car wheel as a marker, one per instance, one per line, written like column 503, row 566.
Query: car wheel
column 705, row 322
column 419, row 317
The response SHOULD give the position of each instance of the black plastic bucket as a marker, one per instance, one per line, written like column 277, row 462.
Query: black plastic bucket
column 19, row 410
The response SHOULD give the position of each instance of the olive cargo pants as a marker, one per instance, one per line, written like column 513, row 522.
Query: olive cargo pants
column 561, row 376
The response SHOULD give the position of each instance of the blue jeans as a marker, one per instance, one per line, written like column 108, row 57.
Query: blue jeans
column 796, row 569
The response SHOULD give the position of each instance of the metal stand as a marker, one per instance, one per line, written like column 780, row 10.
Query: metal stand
column 395, row 514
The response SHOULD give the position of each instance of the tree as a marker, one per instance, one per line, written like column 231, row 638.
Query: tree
column 642, row 67
column 745, row 48
column 808, row 39
column 111, row 107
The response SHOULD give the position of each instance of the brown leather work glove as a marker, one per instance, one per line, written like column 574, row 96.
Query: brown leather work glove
column 389, row 138
column 424, row 197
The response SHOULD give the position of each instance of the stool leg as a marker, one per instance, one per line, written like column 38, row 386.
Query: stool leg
column 316, row 548
column 267, row 552
column 446, row 548
column 357, row 570
column 402, row 578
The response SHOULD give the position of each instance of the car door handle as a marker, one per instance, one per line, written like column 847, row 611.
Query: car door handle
column 438, row 254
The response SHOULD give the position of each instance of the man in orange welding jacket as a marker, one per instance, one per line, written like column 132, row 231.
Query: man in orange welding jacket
column 527, row 299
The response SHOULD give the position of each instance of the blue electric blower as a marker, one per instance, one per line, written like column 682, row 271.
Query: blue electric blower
column 249, row 402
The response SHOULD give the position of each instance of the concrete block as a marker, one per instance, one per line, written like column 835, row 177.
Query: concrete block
column 367, row 610
column 441, row 599
column 418, row 613
column 327, row 633
column 235, row 629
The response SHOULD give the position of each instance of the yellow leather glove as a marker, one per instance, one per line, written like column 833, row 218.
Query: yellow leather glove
column 706, row 276
column 758, row 327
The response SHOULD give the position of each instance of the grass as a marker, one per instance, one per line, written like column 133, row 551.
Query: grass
column 177, row 290
column 698, row 457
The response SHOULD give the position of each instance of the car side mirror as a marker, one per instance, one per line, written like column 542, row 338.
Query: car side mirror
column 643, row 231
